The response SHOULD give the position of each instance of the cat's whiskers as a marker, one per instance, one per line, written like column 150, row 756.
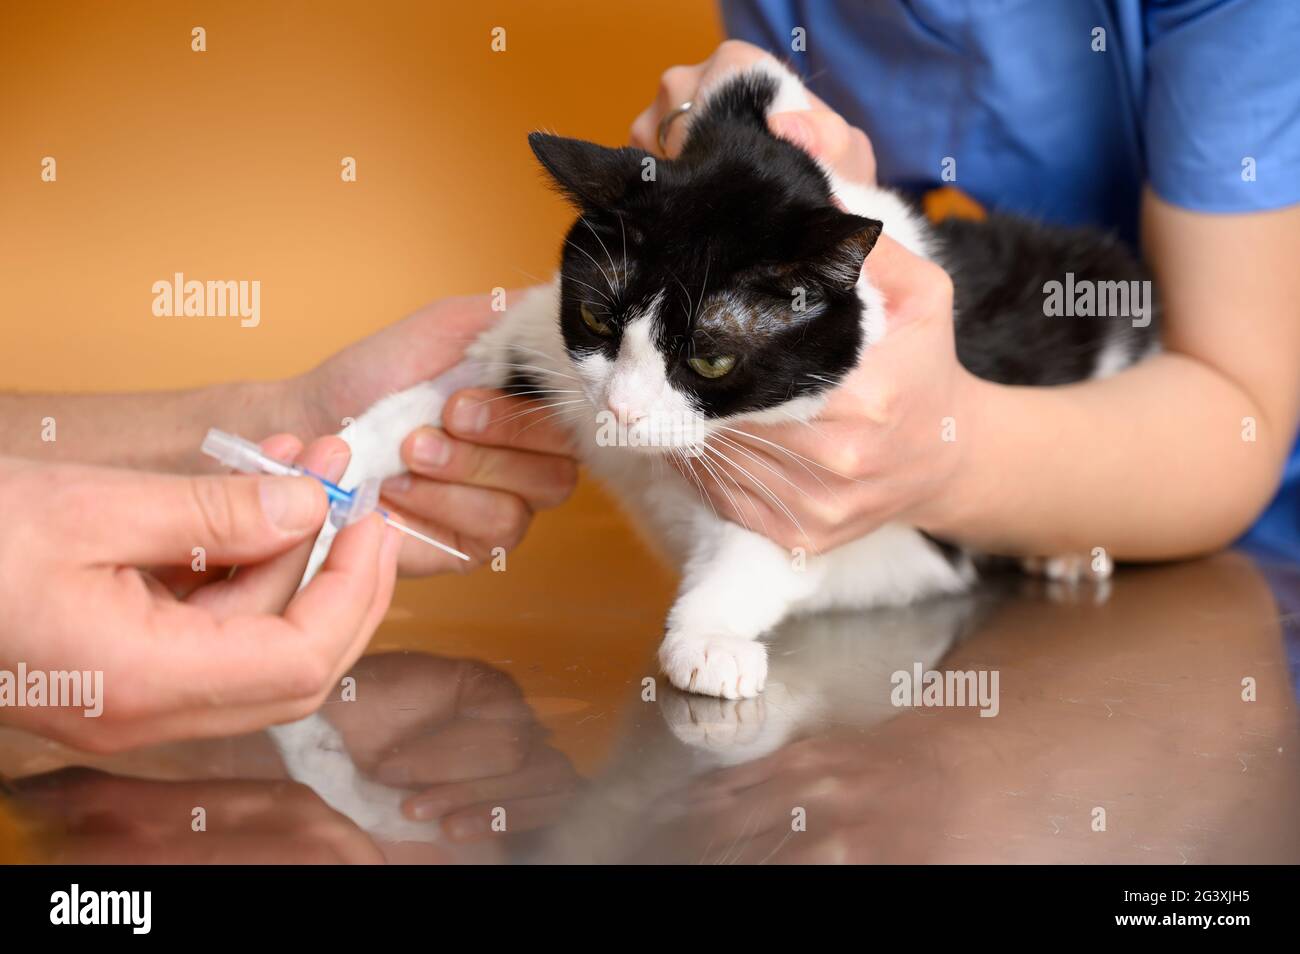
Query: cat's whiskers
column 540, row 281
column 736, row 445
column 725, row 858
column 613, row 292
column 522, row 394
column 623, row 229
column 690, row 471
column 592, row 287
column 518, row 346
column 708, row 263
column 536, row 408
column 748, row 498
column 702, row 457
column 806, row 423
column 779, row 845
column 767, row 492
column 613, row 269
column 822, row 378
column 690, row 305
column 798, row 458
column 564, row 414
column 702, row 449
column 527, row 367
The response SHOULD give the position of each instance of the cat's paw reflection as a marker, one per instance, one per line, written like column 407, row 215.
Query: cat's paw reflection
column 711, row 723
column 732, row 731
column 716, row 665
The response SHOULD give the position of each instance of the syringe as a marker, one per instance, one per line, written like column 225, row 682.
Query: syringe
column 346, row 506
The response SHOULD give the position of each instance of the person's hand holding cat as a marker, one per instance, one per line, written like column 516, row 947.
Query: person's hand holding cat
column 474, row 483
column 185, row 649
column 821, row 132
column 890, row 439
column 886, row 444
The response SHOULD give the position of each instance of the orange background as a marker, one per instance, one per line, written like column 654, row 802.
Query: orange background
column 226, row 165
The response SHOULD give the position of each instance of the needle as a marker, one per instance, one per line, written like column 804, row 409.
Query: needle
column 429, row 540
column 345, row 505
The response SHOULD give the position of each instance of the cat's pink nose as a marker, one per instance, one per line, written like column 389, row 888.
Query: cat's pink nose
column 623, row 412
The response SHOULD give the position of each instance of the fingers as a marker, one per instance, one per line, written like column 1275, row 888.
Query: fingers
column 109, row 818
column 681, row 84
column 824, row 135
column 389, row 549
column 459, row 751
column 136, row 519
column 541, row 480
column 466, row 807
column 292, row 660
column 266, row 587
column 521, row 814
column 468, row 518
column 476, row 484
column 336, row 603
column 225, row 678
column 180, row 580
column 284, row 447
column 488, row 417
column 676, row 86
column 235, row 668
column 415, row 558
column 915, row 288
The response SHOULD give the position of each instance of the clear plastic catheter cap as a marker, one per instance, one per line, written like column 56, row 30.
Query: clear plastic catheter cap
column 241, row 455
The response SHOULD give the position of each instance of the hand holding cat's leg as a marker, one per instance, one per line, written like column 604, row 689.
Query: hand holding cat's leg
column 891, row 440
column 441, row 496
column 477, row 481
column 736, row 586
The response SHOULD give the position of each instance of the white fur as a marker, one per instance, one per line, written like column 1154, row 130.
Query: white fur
column 736, row 584
column 1112, row 359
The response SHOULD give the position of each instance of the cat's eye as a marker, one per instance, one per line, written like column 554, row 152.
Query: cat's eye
column 712, row 366
column 598, row 325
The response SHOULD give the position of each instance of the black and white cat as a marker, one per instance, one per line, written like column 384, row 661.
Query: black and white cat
column 724, row 287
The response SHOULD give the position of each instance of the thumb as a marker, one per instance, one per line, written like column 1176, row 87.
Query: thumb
column 156, row 519
column 821, row 133
column 824, row 135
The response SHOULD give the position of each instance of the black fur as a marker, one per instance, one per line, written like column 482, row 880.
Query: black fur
column 740, row 216
column 999, row 267
column 745, row 217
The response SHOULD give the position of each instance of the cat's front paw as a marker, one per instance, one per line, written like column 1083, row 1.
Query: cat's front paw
column 714, row 665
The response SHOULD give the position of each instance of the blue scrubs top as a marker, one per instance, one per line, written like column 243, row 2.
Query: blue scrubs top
column 1062, row 109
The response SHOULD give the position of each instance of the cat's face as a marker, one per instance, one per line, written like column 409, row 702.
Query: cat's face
column 705, row 289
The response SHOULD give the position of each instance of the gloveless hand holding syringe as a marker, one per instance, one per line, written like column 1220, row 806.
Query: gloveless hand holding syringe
column 313, row 750
column 346, row 506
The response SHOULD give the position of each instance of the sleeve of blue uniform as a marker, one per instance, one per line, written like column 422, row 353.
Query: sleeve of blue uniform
column 1222, row 111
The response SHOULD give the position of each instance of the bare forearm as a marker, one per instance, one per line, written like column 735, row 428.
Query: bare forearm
column 1167, row 460
column 158, row 430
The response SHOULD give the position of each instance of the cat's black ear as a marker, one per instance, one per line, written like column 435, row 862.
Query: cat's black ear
column 836, row 245
column 593, row 176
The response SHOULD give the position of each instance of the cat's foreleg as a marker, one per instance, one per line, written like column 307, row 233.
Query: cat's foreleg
column 312, row 749
column 375, row 438
column 736, row 586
